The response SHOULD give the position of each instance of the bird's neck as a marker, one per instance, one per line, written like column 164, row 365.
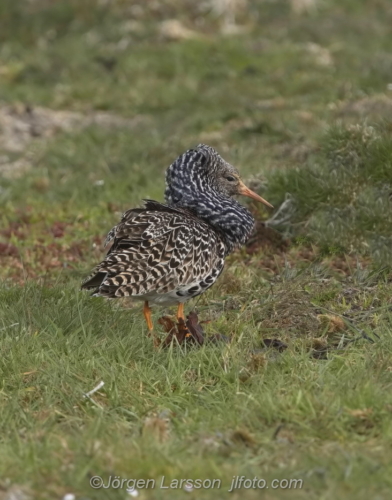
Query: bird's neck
column 233, row 221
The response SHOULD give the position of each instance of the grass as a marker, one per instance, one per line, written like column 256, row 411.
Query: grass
column 299, row 101
column 343, row 195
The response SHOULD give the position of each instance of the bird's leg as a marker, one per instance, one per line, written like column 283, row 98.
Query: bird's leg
column 150, row 325
column 147, row 316
column 180, row 312
column 180, row 316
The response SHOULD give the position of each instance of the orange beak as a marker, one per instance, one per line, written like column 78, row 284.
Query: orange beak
column 247, row 192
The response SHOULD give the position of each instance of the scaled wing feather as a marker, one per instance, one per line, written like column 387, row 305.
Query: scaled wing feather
column 158, row 250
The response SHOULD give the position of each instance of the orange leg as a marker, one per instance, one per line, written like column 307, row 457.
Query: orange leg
column 180, row 315
column 150, row 326
column 180, row 312
column 147, row 316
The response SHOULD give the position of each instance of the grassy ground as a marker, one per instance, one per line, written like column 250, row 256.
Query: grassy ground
column 97, row 99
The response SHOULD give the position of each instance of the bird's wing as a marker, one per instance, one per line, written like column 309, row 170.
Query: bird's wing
column 158, row 250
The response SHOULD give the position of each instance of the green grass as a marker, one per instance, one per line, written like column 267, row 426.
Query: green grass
column 299, row 102
column 342, row 197
column 216, row 408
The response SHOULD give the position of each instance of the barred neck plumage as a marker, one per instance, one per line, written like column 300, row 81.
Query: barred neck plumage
column 194, row 182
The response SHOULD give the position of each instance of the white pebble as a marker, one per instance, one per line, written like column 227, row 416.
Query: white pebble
column 188, row 487
column 132, row 492
column 69, row 496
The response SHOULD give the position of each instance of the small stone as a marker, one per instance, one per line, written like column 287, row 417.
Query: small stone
column 188, row 487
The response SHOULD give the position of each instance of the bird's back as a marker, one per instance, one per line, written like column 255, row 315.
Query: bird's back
column 161, row 254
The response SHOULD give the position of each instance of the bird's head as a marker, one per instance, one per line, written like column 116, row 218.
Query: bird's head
column 203, row 170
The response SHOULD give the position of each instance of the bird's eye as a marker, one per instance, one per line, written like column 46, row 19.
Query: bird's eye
column 230, row 178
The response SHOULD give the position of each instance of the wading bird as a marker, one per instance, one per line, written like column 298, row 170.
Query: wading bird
column 166, row 254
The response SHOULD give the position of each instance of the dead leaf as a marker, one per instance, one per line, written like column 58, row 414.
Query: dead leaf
column 333, row 323
column 157, row 428
column 167, row 323
column 319, row 343
column 257, row 361
column 195, row 328
column 362, row 414
column 190, row 331
column 7, row 249
column 242, row 436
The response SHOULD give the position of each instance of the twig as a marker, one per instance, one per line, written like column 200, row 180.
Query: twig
column 93, row 391
column 287, row 206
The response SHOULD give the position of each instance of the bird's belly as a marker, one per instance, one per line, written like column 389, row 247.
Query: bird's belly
column 167, row 299
column 180, row 295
